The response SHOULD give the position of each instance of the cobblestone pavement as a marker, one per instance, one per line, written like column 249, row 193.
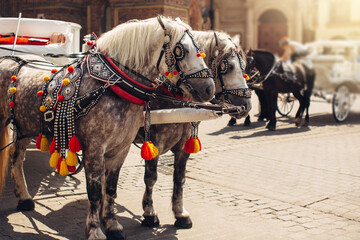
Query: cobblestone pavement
column 247, row 183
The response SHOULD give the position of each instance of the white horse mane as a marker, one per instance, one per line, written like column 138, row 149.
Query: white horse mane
column 131, row 43
column 206, row 38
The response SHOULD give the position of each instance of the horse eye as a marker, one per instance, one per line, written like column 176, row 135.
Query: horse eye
column 187, row 51
column 231, row 67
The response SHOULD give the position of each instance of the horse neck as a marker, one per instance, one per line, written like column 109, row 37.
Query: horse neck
column 263, row 61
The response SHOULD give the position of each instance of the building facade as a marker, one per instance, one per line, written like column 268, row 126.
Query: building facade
column 263, row 23
column 102, row 15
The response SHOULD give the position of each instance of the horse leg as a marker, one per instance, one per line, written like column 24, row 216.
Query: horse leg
column 247, row 121
column 17, row 157
column 272, row 106
column 232, row 122
column 95, row 176
column 113, row 164
column 150, row 215
column 182, row 216
column 307, row 105
column 301, row 108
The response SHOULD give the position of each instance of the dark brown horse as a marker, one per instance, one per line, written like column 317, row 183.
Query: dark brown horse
column 275, row 80
column 108, row 129
column 228, row 65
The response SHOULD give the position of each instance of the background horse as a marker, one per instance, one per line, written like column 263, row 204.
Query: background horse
column 107, row 131
column 277, row 81
column 221, row 52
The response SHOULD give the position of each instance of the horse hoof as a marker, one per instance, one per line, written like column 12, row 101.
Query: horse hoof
column 116, row 235
column 96, row 233
column 183, row 222
column 150, row 221
column 26, row 205
column 306, row 124
column 270, row 127
column 232, row 122
column 297, row 121
column 247, row 124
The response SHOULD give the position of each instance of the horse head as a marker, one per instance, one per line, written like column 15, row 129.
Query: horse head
column 226, row 60
column 260, row 64
column 161, row 45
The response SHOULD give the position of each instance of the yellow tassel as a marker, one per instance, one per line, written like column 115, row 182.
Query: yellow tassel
column 203, row 55
column 71, row 159
column 42, row 108
column 66, row 81
column 13, row 90
column 54, row 159
column 46, row 78
column 197, row 147
column 170, row 75
column 64, row 168
column 44, row 145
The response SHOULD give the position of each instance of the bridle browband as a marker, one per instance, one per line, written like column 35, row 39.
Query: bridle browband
column 172, row 58
column 222, row 69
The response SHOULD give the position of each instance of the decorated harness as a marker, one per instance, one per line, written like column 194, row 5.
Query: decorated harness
column 220, row 67
column 62, row 105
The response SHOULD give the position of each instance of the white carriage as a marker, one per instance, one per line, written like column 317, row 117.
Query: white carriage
column 337, row 67
column 40, row 36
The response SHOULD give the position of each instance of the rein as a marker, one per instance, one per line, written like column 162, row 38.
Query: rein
column 263, row 78
column 172, row 58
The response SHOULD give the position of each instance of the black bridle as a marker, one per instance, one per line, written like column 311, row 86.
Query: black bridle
column 222, row 69
column 172, row 58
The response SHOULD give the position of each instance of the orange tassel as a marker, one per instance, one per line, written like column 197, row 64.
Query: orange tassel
column 192, row 145
column 74, row 144
column 38, row 141
column 63, row 168
column 54, row 159
column 149, row 151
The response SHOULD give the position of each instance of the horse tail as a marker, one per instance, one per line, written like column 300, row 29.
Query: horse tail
column 4, row 153
column 4, row 129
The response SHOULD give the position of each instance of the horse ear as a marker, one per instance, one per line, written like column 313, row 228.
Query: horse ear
column 161, row 23
column 216, row 39
column 236, row 39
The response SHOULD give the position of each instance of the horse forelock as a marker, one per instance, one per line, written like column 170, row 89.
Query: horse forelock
column 132, row 43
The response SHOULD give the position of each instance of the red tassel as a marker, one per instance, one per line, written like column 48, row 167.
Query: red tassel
column 74, row 144
column 59, row 163
column 52, row 147
column 38, row 141
column 189, row 145
column 72, row 169
column 192, row 145
column 148, row 151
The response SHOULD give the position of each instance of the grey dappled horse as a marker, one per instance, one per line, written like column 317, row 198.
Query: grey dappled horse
column 225, row 58
column 108, row 130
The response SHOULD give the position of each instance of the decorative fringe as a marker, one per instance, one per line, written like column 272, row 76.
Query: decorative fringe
column 44, row 144
column 149, row 151
column 74, row 144
column 63, row 168
column 38, row 141
column 52, row 146
column 54, row 159
column 71, row 159
column 192, row 145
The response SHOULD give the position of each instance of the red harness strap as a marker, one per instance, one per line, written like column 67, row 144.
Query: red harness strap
column 127, row 96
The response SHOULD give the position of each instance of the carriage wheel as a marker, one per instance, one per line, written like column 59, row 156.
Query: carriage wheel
column 79, row 167
column 285, row 104
column 341, row 103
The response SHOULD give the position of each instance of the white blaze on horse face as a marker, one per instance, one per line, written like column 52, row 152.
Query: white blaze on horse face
column 234, row 78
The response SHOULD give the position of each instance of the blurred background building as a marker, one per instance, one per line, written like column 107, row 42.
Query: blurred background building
column 260, row 23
